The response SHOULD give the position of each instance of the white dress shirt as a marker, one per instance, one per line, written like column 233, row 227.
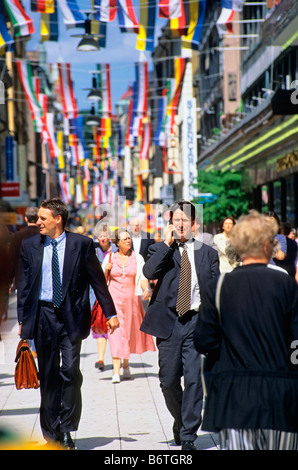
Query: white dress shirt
column 136, row 243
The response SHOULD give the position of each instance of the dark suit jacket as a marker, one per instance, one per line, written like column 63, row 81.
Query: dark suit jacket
column 164, row 264
column 81, row 268
column 146, row 241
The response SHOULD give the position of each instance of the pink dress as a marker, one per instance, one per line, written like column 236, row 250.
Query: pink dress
column 128, row 339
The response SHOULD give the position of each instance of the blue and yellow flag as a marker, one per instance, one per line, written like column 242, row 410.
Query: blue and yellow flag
column 197, row 16
column 49, row 30
column 145, row 40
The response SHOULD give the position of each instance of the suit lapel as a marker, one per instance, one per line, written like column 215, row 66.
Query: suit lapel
column 37, row 255
column 176, row 255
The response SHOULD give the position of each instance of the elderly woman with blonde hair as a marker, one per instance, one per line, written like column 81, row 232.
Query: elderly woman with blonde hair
column 247, row 330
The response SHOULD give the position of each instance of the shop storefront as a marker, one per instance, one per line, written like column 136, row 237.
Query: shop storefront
column 279, row 191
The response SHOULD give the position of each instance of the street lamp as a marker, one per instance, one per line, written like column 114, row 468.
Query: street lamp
column 94, row 93
column 92, row 120
column 89, row 41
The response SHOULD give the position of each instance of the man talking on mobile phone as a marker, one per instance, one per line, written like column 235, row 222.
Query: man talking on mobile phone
column 183, row 266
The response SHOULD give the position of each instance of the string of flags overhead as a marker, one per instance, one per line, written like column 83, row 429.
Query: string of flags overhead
column 186, row 19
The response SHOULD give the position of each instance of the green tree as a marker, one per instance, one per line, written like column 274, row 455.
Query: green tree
column 228, row 197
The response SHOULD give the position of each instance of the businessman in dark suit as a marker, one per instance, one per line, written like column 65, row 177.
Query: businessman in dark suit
column 54, row 309
column 173, row 325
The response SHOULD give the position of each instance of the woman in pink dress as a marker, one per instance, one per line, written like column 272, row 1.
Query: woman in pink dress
column 127, row 283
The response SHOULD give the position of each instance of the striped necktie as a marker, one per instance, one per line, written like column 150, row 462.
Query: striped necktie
column 184, row 289
column 56, row 281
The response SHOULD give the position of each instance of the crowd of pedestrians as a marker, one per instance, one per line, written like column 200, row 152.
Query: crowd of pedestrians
column 221, row 311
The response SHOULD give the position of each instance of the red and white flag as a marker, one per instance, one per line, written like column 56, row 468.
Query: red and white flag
column 25, row 75
column 169, row 9
column 146, row 141
column 66, row 87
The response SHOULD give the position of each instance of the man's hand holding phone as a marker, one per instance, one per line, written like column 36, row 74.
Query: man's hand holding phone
column 169, row 233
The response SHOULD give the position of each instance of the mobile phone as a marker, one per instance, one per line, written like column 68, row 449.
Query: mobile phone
column 174, row 234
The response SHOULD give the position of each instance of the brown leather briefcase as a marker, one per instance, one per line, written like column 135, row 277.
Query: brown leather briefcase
column 26, row 375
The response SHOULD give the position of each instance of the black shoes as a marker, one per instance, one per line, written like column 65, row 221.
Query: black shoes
column 66, row 441
column 188, row 445
column 185, row 445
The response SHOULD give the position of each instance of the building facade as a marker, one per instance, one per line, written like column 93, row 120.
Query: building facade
column 261, row 135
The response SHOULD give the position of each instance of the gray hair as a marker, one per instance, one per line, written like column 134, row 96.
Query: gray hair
column 101, row 227
column 251, row 232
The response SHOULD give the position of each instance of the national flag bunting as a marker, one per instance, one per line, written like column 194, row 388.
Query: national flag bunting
column 5, row 37
column 145, row 39
column 25, row 75
column 43, row 6
column 161, row 115
column 126, row 17
column 128, row 138
column 228, row 8
column 197, row 16
column 67, row 93
column 140, row 190
column 140, row 99
column 22, row 23
column 172, row 109
column 64, row 188
column 180, row 24
column 104, row 133
column 106, row 10
column 49, row 29
column 169, row 8
column 47, row 119
column 72, row 17
column 104, row 84
column 235, row 5
column 99, row 28
column 146, row 140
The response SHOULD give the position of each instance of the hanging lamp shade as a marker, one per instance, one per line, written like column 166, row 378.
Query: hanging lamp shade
column 87, row 44
column 92, row 120
column 95, row 93
column 89, row 41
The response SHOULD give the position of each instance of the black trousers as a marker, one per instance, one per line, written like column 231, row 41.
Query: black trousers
column 59, row 374
column 179, row 358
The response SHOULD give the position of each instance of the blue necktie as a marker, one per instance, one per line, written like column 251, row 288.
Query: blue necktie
column 57, row 290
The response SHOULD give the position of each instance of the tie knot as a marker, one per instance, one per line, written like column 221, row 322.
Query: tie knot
column 182, row 245
column 54, row 242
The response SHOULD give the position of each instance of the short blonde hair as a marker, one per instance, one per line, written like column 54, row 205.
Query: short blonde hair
column 251, row 232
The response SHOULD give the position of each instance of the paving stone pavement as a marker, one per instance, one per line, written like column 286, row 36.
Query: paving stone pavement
column 128, row 416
